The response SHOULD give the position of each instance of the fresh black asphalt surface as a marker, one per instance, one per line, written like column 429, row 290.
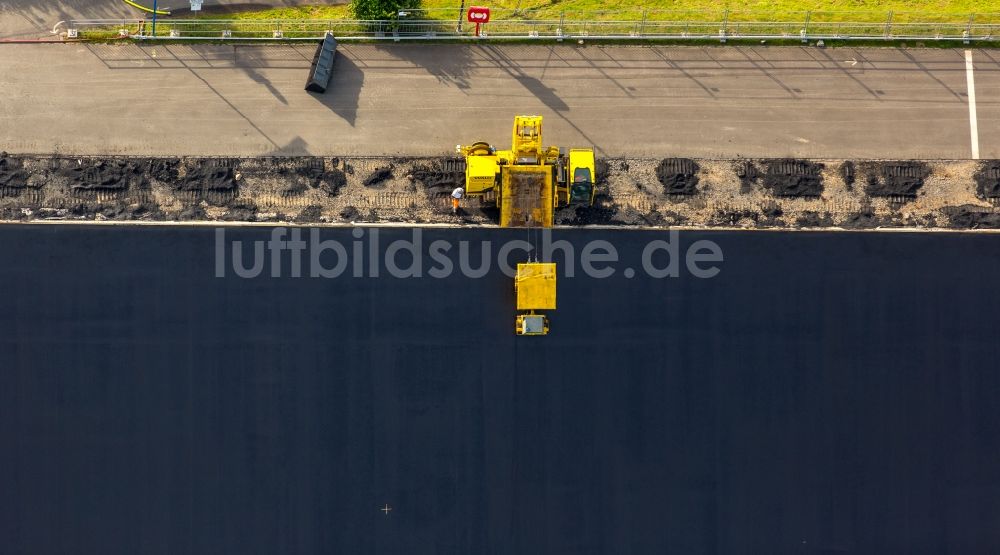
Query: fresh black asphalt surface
column 825, row 393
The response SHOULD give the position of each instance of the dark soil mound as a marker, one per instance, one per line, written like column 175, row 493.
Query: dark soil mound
column 440, row 178
column 847, row 172
column 734, row 217
column 794, row 178
column 673, row 218
column 972, row 217
column 107, row 211
column 208, row 178
column 164, row 169
column 490, row 212
column 318, row 177
column 592, row 215
column 241, row 211
column 311, row 168
column 897, row 179
column 627, row 215
column 144, row 211
column 313, row 173
column 814, row 219
column 104, row 175
column 119, row 211
column 333, row 181
column 772, row 210
column 679, row 176
column 293, row 188
column 12, row 173
column 601, row 169
column 862, row 219
column 350, row 213
column 309, row 214
column 193, row 212
column 219, row 163
column 748, row 174
column 601, row 213
column 988, row 179
column 378, row 176
column 14, row 214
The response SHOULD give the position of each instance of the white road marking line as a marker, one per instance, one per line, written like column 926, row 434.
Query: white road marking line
column 970, row 83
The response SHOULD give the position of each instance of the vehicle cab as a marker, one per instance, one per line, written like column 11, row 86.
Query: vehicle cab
column 582, row 176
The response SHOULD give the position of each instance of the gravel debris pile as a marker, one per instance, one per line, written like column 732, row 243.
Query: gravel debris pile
column 631, row 192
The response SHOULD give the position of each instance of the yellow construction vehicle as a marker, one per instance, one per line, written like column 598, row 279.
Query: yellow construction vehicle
column 529, row 181
column 535, row 286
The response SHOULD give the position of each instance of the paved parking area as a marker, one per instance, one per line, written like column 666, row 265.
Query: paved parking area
column 424, row 99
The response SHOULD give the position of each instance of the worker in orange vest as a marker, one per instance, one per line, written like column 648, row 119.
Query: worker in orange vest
column 456, row 196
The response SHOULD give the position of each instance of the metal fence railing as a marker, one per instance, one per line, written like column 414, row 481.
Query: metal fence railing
column 678, row 26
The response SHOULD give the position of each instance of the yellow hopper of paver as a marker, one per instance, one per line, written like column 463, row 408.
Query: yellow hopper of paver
column 535, row 286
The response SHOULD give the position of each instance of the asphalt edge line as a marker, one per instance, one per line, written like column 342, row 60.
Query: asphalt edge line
column 970, row 83
column 351, row 225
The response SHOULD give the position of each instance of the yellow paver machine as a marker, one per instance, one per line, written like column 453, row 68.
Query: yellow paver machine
column 528, row 182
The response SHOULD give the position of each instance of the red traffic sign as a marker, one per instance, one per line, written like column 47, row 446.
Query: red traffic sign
column 478, row 14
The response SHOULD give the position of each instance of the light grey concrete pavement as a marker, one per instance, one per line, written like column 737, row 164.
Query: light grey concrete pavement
column 424, row 99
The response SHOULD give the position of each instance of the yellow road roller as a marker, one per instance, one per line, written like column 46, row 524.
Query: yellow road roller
column 535, row 287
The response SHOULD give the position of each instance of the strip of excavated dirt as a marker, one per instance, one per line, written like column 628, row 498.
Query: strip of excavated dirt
column 779, row 193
